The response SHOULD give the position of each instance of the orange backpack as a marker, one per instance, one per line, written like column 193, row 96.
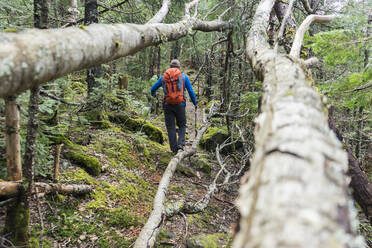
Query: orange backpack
column 173, row 86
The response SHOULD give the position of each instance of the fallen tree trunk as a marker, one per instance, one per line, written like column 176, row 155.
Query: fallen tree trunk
column 33, row 56
column 149, row 232
column 296, row 194
column 11, row 189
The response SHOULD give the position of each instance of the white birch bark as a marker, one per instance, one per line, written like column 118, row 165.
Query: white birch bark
column 297, row 192
column 36, row 56
column 149, row 232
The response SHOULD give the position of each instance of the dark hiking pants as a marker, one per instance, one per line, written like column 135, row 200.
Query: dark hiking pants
column 175, row 114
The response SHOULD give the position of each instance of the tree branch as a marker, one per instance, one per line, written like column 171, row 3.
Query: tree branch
column 297, row 43
column 12, row 189
column 162, row 13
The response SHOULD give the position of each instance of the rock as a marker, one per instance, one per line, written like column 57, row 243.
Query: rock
column 203, row 240
column 125, row 121
column 213, row 137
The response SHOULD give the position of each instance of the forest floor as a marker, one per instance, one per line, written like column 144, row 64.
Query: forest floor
column 121, row 201
column 114, row 213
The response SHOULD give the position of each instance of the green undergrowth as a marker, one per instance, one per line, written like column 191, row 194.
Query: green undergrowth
column 123, row 193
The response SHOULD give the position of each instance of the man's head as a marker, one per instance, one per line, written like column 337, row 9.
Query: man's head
column 175, row 63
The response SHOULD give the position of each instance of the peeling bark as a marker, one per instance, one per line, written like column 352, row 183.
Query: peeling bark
column 297, row 192
column 149, row 232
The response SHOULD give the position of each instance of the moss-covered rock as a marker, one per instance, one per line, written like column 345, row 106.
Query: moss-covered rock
column 213, row 137
column 91, row 164
column 114, row 103
column 164, row 236
column 203, row 165
column 186, row 171
column 208, row 241
column 125, row 121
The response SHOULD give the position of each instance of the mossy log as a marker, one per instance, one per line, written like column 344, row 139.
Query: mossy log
column 11, row 189
column 91, row 164
column 125, row 121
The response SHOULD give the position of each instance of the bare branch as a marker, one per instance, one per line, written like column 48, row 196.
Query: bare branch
column 214, row 9
column 162, row 13
column 284, row 22
column 224, row 13
column 188, row 7
column 297, row 43
column 366, row 86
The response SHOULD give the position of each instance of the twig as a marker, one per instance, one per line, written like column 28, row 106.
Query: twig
column 8, row 201
column 43, row 93
column 366, row 86
column 186, row 226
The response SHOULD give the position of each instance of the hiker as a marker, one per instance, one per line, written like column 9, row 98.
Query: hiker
column 174, row 83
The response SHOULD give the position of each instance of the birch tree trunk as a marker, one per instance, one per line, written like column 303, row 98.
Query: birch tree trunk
column 297, row 193
column 35, row 56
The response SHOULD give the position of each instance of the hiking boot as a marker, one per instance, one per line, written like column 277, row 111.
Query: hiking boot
column 180, row 148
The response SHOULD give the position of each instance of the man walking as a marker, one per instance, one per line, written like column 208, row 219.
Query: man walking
column 174, row 83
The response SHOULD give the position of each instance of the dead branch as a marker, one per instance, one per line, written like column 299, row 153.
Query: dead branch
column 188, row 7
column 284, row 23
column 44, row 93
column 12, row 189
column 213, row 9
column 366, row 86
column 297, row 43
column 310, row 9
column 311, row 62
column 104, row 11
column 162, row 13
column 56, row 160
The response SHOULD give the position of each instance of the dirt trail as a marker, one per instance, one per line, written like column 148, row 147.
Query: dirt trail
column 190, row 109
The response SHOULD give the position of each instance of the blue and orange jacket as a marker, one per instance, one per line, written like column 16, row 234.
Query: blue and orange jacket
column 187, row 85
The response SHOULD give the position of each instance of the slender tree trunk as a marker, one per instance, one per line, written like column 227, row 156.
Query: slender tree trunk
column 91, row 16
column 158, row 62
column 15, row 215
column 18, row 217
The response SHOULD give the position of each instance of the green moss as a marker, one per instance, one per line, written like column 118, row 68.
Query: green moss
column 78, row 176
column 17, row 223
column 204, row 166
column 114, row 103
column 164, row 236
column 154, row 133
column 208, row 240
column 212, row 137
column 178, row 190
column 105, row 124
column 91, row 164
column 119, row 217
column 186, row 171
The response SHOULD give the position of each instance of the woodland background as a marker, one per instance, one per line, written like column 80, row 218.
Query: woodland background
column 104, row 130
